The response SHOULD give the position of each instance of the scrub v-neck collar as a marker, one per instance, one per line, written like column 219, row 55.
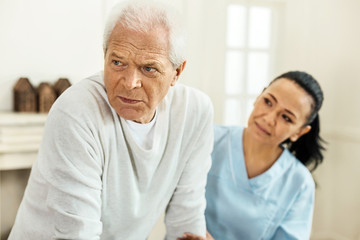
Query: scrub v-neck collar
column 238, row 162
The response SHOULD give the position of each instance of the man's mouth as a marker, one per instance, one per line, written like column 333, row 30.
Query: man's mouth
column 129, row 101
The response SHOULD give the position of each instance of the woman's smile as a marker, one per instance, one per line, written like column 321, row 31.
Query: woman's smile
column 262, row 129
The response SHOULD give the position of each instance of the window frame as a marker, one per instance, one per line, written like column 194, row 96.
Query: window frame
column 244, row 98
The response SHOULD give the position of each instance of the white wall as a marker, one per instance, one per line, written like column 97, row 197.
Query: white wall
column 323, row 37
column 48, row 39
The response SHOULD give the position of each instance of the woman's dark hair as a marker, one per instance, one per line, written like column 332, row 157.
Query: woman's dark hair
column 308, row 148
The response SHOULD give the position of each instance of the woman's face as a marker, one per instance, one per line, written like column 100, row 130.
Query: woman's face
column 280, row 112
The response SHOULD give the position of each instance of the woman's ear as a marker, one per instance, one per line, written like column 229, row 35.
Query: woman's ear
column 301, row 132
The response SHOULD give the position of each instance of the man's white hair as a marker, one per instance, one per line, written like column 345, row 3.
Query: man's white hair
column 145, row 16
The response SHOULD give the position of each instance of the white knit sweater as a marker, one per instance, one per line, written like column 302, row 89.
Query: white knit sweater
column 93, row 181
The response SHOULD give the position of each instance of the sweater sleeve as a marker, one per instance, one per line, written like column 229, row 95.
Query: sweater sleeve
column 297, row 223
column 185, row 212
column 69, row 162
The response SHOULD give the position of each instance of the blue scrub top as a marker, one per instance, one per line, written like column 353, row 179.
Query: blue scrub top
column 277, row 204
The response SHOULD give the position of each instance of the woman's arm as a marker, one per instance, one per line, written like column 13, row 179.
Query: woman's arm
column 297, row 223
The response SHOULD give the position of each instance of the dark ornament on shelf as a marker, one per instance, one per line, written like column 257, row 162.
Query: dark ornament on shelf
column 61, row 85
column 46, row 97
column 24, row 96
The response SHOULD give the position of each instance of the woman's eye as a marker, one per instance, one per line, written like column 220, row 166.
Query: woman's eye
column 286, row 118
column 267, row 102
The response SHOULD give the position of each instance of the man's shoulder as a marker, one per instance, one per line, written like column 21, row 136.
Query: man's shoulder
column 189, row 106
column 89, row 93
column 87, row 86
column 189, row 95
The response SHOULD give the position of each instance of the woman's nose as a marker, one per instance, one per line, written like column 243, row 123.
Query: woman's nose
column 270, row 118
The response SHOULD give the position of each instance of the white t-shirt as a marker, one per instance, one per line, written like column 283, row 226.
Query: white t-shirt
column 143, row 133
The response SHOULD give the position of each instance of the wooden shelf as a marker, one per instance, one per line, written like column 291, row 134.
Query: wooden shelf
column 17, row 161
column 22, row 119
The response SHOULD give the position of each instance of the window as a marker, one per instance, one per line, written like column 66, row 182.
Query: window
column 249, row 56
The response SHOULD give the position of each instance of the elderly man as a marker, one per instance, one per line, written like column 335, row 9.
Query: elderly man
column 125, row 145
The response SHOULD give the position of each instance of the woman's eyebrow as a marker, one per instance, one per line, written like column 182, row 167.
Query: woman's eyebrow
column 287, row 110
column 290, row 112
column 273, row 97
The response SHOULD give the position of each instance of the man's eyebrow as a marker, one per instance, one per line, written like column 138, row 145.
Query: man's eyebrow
column 151, row 63
column 115, row 55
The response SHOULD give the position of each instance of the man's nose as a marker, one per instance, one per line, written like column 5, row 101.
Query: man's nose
column 132, row 79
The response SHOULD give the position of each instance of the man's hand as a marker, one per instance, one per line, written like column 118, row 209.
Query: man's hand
column 190, row 236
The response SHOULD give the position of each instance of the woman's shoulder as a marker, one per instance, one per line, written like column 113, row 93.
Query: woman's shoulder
column 223, row 152
column 222, row 132
column 299, row 173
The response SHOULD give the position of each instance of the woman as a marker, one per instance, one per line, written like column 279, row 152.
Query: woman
column 259, row 186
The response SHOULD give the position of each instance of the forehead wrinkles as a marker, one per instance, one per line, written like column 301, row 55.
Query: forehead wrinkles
column 140, row 45
column 139, row 55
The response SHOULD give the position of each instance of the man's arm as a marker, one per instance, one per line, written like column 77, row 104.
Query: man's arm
column 69, row 162
column 185, row 212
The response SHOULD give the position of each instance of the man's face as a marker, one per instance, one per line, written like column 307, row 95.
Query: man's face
column 138, row 72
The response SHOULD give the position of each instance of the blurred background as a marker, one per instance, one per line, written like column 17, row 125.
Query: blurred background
column 235, row 47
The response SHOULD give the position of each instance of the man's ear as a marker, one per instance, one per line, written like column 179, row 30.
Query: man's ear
column 301, row 132
column 178, row 70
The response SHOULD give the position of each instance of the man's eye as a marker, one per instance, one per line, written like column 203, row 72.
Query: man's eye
column 117, row 63
column 149, row 69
